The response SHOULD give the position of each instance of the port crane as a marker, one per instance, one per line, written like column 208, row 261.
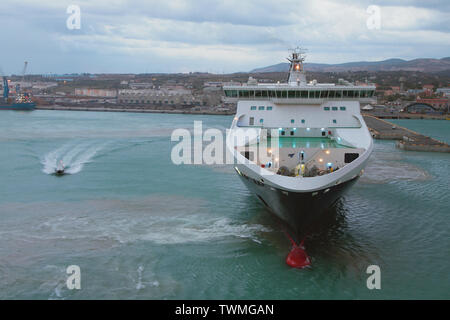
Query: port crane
column 20, row 85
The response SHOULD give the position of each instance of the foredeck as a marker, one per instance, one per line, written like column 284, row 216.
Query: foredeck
column 300, row 156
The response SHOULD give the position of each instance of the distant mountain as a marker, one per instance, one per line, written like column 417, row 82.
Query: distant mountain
column 423, row 65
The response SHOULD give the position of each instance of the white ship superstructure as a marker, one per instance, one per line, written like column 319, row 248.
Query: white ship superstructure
column 322, row 139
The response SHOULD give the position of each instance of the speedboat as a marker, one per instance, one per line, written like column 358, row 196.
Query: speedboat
column 60, row 169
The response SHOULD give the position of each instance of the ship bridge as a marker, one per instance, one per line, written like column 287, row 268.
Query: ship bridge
column 297, row 90
column 308, row 94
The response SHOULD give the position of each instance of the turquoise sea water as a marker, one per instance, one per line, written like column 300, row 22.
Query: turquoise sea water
column 141, row 227
column 437, row 129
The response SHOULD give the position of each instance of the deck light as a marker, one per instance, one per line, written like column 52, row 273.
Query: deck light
column 327, row 152
column 307, row 129
column 320, row 160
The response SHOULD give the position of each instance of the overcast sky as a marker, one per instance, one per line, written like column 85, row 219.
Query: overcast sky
column 214, row 36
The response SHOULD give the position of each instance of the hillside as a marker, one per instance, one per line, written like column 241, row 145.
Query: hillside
column 422, row 65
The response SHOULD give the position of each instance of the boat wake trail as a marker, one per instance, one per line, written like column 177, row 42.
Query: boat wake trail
column 74, row 157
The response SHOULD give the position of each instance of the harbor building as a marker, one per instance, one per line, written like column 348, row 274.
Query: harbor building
column 156, row 97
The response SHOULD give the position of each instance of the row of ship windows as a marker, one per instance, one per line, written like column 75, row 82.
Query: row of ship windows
column 324, row 108
column 304, row 94
column 252, row 121
column 261, row 108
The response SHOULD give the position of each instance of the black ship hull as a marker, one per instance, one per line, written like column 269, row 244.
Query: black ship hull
column 299, row 210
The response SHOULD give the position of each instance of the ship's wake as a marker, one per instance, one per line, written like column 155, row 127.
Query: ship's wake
column 74, row 157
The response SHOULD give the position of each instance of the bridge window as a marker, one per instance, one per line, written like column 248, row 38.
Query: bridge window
column 291, row 94
column 314, row 94
column 243, row 94
column 331, row 94
column 339, row 94
column 228, row 93
column 258, row 94
column 304, row 94
column 324, row 94
column 253, row 108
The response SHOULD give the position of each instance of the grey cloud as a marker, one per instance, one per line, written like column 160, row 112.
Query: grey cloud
column 135, row 36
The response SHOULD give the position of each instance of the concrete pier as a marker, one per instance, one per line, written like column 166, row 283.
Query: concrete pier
column 134, row 110
column 407, row 139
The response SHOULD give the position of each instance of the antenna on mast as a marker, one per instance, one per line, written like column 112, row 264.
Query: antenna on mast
column 296, row 71
column 297, row 53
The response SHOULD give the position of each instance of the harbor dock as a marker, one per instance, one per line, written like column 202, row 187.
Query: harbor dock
column 134, row 110
column 406, row 139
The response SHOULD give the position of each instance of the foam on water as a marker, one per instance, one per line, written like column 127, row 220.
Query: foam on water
column 381, row 171
column 73, row 156
column 159, row 220
column 386, row 166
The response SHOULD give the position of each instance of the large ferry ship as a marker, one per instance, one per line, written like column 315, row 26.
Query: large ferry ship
column 305, row 142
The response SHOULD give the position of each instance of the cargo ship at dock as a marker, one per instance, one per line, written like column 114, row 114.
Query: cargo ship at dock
column 22, row 101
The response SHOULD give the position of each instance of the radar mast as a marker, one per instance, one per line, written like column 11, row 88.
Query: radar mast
column 296, row 71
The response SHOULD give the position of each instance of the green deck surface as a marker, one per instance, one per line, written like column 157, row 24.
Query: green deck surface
column 300, row 142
